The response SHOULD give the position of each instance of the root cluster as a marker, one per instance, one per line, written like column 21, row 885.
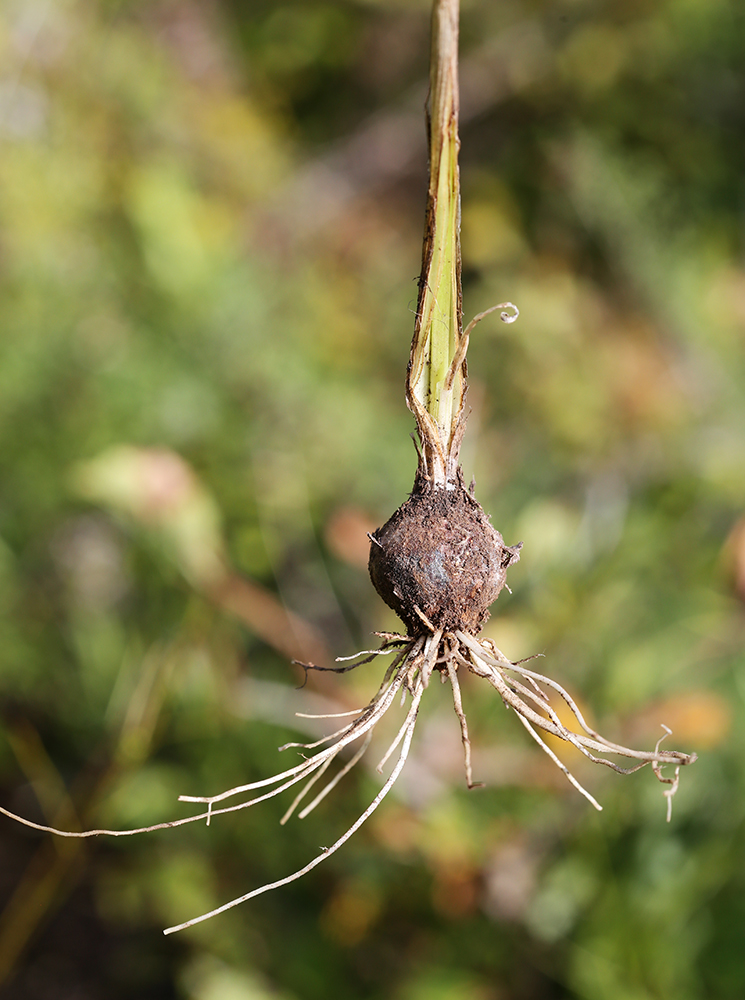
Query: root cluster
column 415, row 660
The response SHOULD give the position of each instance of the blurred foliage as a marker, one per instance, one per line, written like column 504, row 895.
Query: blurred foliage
column 210, row 223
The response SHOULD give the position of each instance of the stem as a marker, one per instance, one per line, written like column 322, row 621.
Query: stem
column 435, row 399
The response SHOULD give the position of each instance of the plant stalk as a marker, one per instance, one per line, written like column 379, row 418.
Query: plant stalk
column 434, row 393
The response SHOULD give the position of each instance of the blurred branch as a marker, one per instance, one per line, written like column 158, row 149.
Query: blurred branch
column 40, row 887
column 283, row 630
column 58, row 864
column 159, row 494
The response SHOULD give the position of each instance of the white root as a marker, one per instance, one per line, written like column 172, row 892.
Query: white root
column 337, row 778
column 560, row 764
column 407, row 731
column 368, row 718
column 673, row 782
column 485, row 664
column 410, row 672
column 465, row 739
column 327, row 715
column 304, row 791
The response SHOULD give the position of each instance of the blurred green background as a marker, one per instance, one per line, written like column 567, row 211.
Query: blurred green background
column 210, row 229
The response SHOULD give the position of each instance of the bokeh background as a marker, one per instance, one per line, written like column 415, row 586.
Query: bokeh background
column 210, row 229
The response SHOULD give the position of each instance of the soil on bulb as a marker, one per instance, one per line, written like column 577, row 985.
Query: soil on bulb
column 438, row 559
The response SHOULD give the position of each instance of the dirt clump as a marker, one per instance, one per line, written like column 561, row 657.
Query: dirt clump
column 438, row 561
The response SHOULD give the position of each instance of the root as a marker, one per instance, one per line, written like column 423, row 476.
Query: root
column 416, row 657
column 452, row 672
column 406, row 732
column 388, row 646
column 328, row 787
column 560, row 764
column 485, row 660
column 673, row 782
column 304, row 791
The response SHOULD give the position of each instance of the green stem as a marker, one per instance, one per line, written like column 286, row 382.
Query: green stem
column 434, row 394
